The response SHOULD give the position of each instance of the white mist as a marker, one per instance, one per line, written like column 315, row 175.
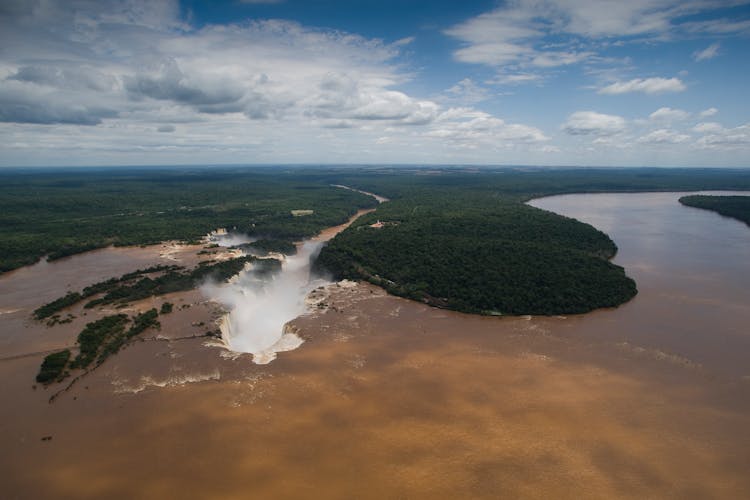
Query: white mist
column 259, row 309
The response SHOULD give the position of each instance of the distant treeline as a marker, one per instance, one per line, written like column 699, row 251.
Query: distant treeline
column 59, row 213
column 737, row 207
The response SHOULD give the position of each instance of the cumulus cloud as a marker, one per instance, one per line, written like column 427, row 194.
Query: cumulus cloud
column 654, row 85
column 663, row 136
column 265, row 90
column 467, row 126
column 467, row 92
column 708, row 112
column 708, row 53
column 547, row 33
column 666, row 114
column 708, row 127
column 593, row 123
column 721, row 138
column 20, row 104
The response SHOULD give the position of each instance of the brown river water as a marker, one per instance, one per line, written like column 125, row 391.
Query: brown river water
column 389, row 398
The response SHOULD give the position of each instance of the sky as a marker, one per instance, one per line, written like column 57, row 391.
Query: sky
column 522, row 82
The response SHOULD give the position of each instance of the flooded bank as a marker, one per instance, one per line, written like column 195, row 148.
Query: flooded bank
column 391, row 398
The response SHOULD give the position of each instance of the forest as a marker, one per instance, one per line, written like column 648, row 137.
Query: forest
column 478, row 253
column 57, row 213
column 737, row 207
column 451, row 236
column 462, row 237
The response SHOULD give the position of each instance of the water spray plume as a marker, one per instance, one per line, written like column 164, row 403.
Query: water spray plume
column 261, row 307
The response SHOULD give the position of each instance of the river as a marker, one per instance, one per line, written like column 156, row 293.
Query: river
column 692, row 268
column 390, row 398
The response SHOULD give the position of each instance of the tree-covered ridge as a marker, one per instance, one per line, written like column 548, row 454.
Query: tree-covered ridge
column 737, row 207
column 48, row 213
column 480, row 253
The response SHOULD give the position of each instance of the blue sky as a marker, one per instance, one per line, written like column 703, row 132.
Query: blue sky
column 531, row 82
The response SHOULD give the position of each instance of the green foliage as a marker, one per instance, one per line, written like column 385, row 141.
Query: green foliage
column 142, row 322
column 166, row 308
column 53, row 367
column 139, row 285
column 53, row 213
column 96, row 336
column 737, row 207
column 103, row 338
column 478, row 253
column 72, row 298
column 48, row 310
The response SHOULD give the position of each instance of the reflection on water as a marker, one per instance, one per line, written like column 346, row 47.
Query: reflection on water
column 691, row 267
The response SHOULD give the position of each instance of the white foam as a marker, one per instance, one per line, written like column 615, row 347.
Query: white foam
column 146, row 381
column 259, row 310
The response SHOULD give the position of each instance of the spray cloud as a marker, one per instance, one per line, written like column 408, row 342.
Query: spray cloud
column 259, row 307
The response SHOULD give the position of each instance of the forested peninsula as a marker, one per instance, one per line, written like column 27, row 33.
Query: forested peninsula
column 470, row 243
column 737, row 207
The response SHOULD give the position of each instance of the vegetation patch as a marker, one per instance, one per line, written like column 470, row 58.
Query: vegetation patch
column 53, row 367
column 143, row 283
column 737, row 207
column 96, row 342
column 480, row 253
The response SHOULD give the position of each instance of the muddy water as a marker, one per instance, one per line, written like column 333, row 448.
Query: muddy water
column 692, row 269
column 389, row 398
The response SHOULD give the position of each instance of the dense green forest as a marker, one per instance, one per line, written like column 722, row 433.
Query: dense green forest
column 458, row 237
column 480, row 253
column 59, row 213
column 462, row 238
column 737, row 207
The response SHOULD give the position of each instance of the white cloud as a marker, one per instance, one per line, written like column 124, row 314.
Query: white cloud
column 468, row 126
column 655, row 85
column 548, row 33
column 708, row 128
column 467, row 92
column 720, row 138
column 668, row 115
column 708, row 53
column 593, row 123
column 663, row 136
column 100, row 77
column 515, row 78
column 550, row 59
column 708, row 112
column 718, row 26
